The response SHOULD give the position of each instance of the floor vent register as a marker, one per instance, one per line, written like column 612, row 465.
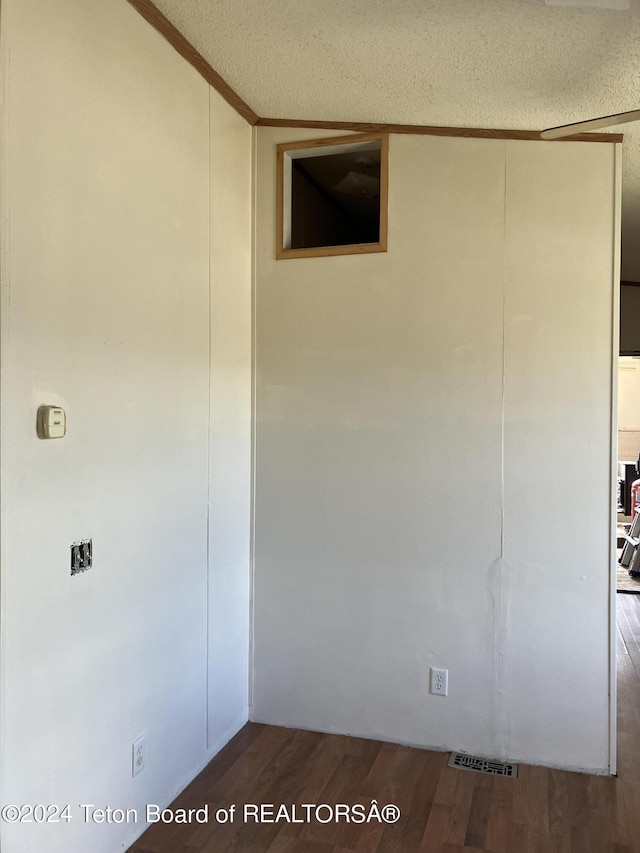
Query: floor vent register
column 483, row 765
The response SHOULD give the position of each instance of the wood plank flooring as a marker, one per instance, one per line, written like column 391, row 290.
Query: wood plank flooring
column 443, row 810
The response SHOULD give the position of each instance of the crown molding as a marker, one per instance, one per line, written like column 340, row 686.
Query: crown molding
column 428, row 130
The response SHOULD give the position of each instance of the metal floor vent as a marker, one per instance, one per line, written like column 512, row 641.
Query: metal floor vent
column 483, row 765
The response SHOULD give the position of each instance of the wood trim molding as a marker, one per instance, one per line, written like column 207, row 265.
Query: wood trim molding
column 630, row 284
column 384, row 191
column 330, row 251
column 279, row 201
column 427, row 130
column 175, row 38
column 328, row 141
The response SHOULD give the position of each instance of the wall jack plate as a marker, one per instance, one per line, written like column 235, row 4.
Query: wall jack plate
column 81, row 556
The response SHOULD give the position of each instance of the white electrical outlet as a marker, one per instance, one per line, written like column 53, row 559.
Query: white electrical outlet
column 439, row 682
column 137, row 756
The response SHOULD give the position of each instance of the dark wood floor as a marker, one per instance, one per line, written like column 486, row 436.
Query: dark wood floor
column 442, row 810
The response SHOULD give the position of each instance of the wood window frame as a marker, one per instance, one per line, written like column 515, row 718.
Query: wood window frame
column 283, row 195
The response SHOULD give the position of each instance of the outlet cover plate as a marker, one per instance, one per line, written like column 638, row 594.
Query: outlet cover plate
column 439, row 683
column 137, row 756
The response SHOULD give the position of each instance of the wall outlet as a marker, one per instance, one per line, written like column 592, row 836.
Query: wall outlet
column 439, row 685
column 81, row 556
column 137, row 756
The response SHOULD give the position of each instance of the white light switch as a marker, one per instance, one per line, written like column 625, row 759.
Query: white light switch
column 52, row 422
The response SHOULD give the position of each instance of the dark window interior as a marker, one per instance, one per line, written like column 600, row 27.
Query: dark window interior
column 335, row 199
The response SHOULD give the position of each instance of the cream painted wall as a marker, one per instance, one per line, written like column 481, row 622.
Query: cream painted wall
column 420, row 444
column 114, row 306
column 230, row 422
column 561, row 275
column 628, row 408
column 628, row 393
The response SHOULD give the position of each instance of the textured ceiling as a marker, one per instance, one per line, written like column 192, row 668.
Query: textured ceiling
column 470, row 63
